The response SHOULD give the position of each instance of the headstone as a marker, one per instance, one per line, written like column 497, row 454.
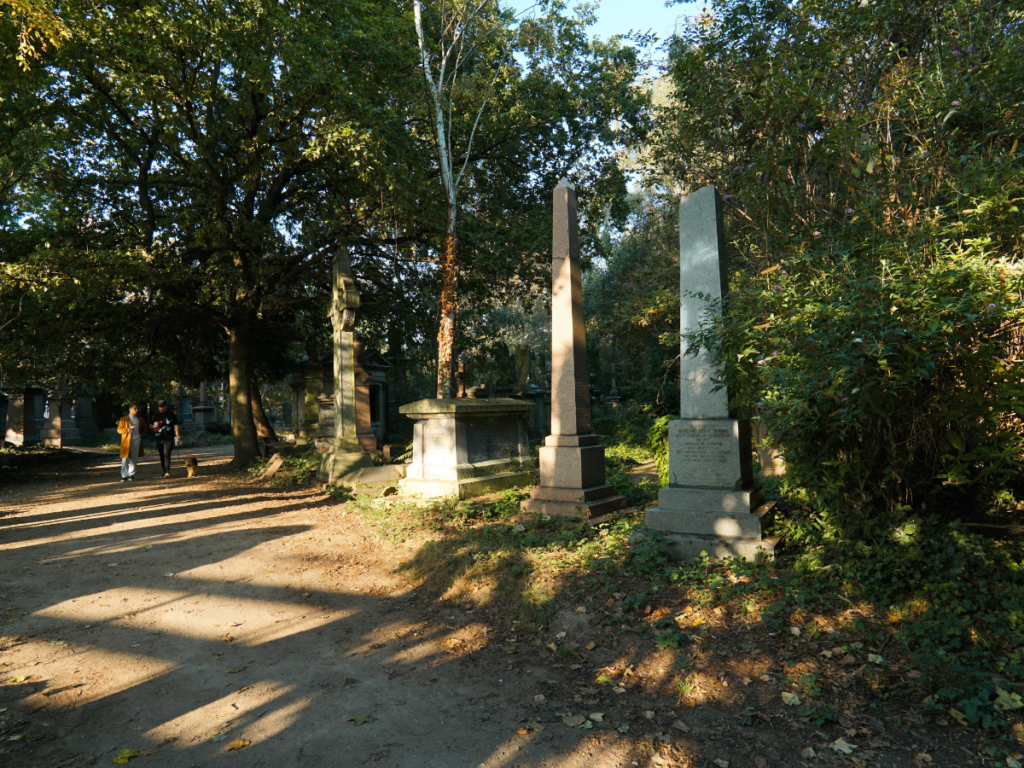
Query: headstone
column 202, row 412
column 84, row 417
column 313, row 381
column 287, row 416
column 186, row 408
column 59, row 429
column 572, row 480
column 467, row 447
column 345, row 455
column 22, row 424
column 712, row 503
column 523, row 358
column 460, row 375
column 768, row 456
column 364, row 421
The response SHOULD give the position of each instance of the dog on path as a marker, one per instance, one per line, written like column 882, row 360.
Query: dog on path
column 192, row 465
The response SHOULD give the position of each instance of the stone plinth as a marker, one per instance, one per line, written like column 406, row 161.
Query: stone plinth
column 712, row 503
column 467, row 447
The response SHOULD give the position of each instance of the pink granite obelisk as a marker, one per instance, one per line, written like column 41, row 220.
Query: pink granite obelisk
column 572, row 481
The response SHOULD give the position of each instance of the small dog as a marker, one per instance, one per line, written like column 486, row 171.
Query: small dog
column 192, row 465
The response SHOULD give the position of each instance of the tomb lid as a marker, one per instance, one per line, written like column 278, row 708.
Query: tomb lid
column 463, row 407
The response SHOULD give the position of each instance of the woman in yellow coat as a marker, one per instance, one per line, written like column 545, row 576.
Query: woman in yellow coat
column 131, row 429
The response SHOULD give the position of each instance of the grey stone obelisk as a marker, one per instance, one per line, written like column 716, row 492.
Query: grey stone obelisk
column 345, row 454
column 712, row 503
column 572, row 478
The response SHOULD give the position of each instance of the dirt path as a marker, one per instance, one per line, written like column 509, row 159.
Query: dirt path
column 177, row 617
column 174, row 617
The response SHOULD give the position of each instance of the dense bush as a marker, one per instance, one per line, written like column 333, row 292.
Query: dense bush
column 869, row 160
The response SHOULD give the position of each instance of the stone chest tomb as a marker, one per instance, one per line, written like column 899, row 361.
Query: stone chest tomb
column 464, row 447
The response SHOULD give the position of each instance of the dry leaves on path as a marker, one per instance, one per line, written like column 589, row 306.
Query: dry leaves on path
column 238, row 744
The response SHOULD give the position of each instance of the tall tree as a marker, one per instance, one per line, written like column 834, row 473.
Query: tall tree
column 204, row 148
column 512, row 105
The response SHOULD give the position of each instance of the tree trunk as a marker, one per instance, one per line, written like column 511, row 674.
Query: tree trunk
column 446, row 383
column 243, row 428
column 263, row 426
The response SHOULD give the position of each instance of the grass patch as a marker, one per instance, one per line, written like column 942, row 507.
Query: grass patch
column 296, row 470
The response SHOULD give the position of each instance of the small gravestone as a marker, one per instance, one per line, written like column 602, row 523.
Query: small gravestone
column 712, row 503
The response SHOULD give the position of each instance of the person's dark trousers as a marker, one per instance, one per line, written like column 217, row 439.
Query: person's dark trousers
column 165, row 447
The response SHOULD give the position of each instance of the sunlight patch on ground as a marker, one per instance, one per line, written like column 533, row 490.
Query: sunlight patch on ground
column 177, row 613
column 236, row 714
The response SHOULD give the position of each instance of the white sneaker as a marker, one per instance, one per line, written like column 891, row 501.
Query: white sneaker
column 166, row 475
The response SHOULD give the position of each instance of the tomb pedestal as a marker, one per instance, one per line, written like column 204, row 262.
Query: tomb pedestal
column 465, row 447
column 712, row 503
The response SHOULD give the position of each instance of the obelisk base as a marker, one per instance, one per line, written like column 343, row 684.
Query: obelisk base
column 585, row 503
column 572, row 480
column 342, row 458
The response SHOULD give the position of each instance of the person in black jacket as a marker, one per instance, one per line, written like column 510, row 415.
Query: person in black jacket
column 168, row 435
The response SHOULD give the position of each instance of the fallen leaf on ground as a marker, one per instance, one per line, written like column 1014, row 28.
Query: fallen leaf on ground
column 923, row 758
column 959, row 716
column 679, row 725
column 794, row 631
column 597, row 717
column 747, row 681
column 841, row 745
column 560, row 635
column 590, row 646
column 552, row 647
column 581, row 609
column 59, row 642
column 874, row 658
column 1012, row 763
column 760, row 762
column 236, row 669
column 721, row 763
column 618, row 689
column 519, row 527
column 238, row 744
column 225, row 638
column 125, row 755
column 218, row 737
column 539, row 697
column 623, row 728
column 790, row 699
column 808, row 752
column 605, row 680
column 361, row 719
column 574, row 721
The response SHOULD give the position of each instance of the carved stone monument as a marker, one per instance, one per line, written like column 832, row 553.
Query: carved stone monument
column 712, row 503
column 345, row 455
column 466, row 447
column 22, row 424
column 572, row 478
